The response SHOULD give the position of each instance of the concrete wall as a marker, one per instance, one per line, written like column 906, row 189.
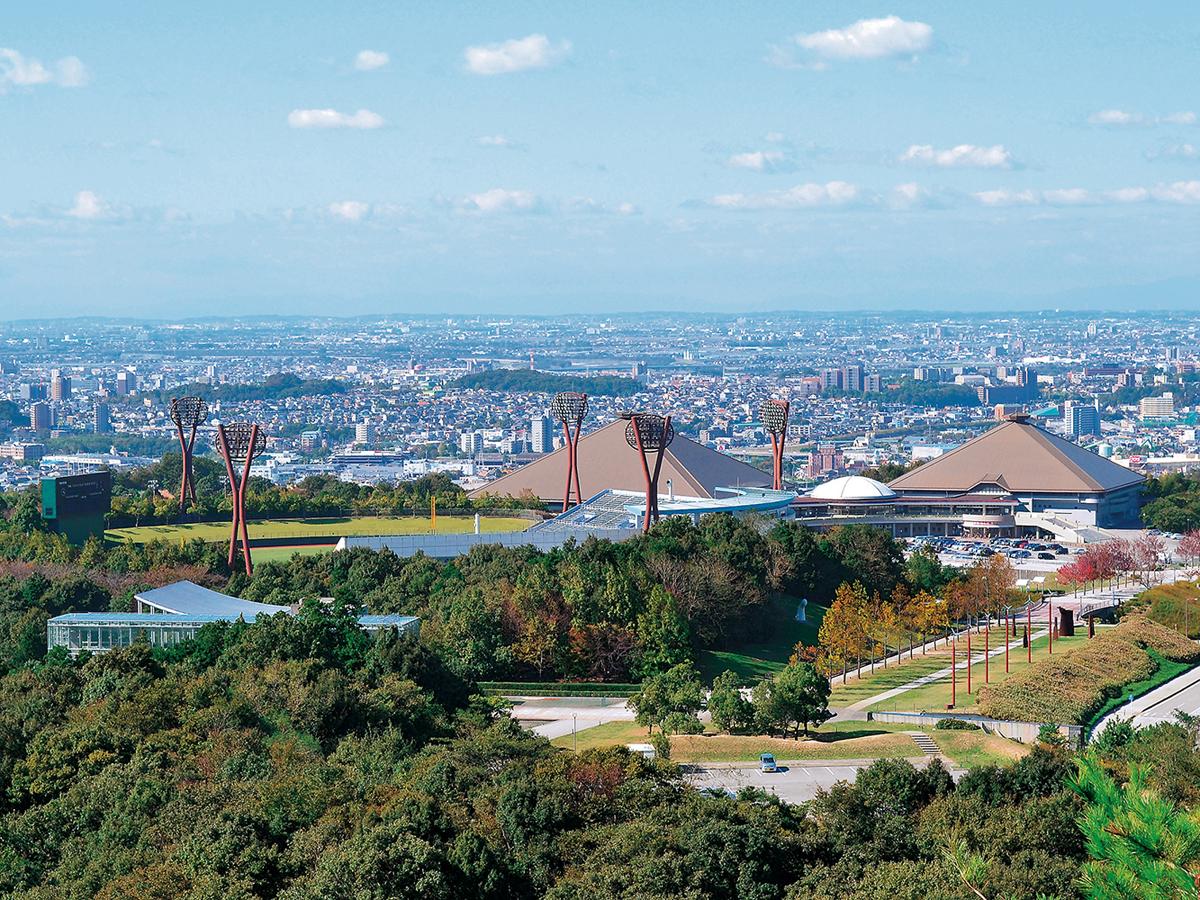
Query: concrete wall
column 1025, row 732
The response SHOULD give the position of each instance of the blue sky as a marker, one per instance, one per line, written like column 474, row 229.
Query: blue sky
column 369, row 157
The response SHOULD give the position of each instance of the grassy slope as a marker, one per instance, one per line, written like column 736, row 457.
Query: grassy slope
column 752, row 661
column 1167, row 669
column 969, row 749
column 327, row 528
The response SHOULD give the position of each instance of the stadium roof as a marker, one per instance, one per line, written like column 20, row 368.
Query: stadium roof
column 189, row 599
column 1021, row 458
column 606, row 462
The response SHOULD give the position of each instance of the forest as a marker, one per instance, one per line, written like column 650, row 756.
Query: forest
column 528, row 380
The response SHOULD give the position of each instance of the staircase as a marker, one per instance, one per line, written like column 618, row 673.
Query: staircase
column 924, row 743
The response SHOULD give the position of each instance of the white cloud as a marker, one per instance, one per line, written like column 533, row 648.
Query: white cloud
column 1128, row 195
column 802, row 196
column 88, row 206
column 331, row 118
column 1114, row 117
column 1177, row 192
column 1176, row 151
column 20, row 71
column 868, row 39
column 1007, row 198
column 962, row 156
column 501, row 200
column 516, row 55
column 599, row 207
column 367, row 60
column 1119, row 118
column 1068, row 197
column 760, row 161
column 349, row 210
column 494, row 140
column 776, row 137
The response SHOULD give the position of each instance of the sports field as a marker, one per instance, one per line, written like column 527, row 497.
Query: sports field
column 317, row 528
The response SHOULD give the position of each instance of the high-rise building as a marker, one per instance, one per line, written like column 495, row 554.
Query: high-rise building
column 873, row 384
column 126, row 382
column 1081, row 419
column 40, row 418
column 364, row 433
column 541, row 434
column 1162, row 407
column 470, row 442
column 852, row 378
column 831, row 379
column 102, row 424
column 1026, row 377
column 29, row 391
column 60, row 386
column 638, row 370
column 310, row 440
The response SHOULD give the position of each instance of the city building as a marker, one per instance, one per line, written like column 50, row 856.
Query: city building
column 364, row 433
column 852, row 378
column 102, row 421
column 1161, row 407
column 873, row 384
column 831, row 379
column 1057, row 485
column 126, row 382
column 167, row 615
column 1081, row 419
column 60, row 386
column 541, row 434
column 41, row 418
column 22, row 451
column 470, row 442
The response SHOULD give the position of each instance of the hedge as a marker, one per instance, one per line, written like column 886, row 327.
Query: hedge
column 1073, row 685
column 558, row 689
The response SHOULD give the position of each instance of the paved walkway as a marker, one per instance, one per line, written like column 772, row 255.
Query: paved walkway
column 940, row 674
column 553, row 717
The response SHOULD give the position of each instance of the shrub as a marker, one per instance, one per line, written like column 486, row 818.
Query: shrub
column 956, row 725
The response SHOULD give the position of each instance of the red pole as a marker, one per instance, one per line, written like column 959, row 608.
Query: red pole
column 987, row 644
column 242, row 499
column 191, row 477
column 233, row 490
column 968, row 657
column 658, row 465
column 575, row 460
column 570, row 465
column 183, row 480
column 1050, row 622
column 787, row 407
column 953, row 673
column 637, row 434
column 1007, row 639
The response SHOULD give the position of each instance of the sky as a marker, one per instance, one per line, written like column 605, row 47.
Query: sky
column 175, row 159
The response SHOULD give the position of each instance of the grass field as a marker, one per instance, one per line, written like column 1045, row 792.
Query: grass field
column 969, row 749
column 275, row 554
column 849, row 740
column 753, row 661
column 936, row 696
column 316, row 528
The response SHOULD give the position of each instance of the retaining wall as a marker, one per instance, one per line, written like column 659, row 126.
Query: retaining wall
column 1024, row 732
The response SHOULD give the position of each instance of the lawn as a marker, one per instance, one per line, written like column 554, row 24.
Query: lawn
column 752, row 661
column 848, row 740
column 315, row 528
column 277, row 554
column 894, row 676
column 968, row 749
column 936, row 696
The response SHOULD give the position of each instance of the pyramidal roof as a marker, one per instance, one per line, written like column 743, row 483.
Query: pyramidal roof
column 1020, row 457
column 606, row 461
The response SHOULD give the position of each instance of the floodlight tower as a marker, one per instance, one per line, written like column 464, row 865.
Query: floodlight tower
column 774, row 415
column 650, row 433
column 570, row 409
column 188, row 414
column 239, row 442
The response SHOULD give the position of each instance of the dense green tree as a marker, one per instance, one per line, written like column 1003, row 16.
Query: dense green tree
column 796, row 697
column 730, row 710
column 670, row 700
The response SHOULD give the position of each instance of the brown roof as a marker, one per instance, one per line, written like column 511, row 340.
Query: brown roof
column 606, row 461
column 1020, row 457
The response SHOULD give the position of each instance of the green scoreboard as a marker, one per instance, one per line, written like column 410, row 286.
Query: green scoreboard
column 75, row 505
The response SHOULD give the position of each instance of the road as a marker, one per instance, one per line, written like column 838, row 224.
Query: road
column 1181, row 694
column 795, row 783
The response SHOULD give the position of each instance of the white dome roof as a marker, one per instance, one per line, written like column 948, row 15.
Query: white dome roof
column 852, row 487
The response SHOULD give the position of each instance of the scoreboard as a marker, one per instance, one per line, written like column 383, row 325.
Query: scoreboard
column 75, row 505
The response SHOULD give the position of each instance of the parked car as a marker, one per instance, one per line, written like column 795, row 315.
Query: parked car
column 1046, row 554
column 766, row 763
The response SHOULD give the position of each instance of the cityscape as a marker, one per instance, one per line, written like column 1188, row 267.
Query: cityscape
column 533, row 452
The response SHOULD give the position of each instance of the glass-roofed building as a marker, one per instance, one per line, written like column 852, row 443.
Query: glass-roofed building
column 167, row 615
